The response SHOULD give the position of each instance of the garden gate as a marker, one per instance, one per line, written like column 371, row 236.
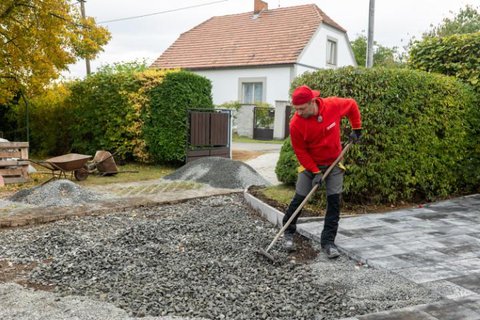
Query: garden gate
column 263, row 120
column 209, row 134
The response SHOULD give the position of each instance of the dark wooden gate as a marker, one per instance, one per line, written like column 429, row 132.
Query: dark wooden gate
column 209, row 134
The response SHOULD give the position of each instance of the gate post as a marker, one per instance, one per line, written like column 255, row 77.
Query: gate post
column 279, row 131
column 244, row 120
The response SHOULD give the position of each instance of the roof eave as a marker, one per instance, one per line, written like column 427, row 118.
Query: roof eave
column 246, row 66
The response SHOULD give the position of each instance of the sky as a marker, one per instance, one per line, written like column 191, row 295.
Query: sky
column 144, row 39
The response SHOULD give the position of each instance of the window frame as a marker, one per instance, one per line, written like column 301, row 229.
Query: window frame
column 328, row 54
column 243, row 81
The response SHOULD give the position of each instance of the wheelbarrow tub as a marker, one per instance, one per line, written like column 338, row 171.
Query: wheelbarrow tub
column 105, row 163
column 69, row 162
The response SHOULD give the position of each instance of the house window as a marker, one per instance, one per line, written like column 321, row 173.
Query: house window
column 331, row 52
column 252, row 92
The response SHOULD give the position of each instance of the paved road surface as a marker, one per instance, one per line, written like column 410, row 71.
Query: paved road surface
column 265, row 163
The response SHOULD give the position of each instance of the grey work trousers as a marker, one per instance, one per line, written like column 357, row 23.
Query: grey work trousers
column 334, row 185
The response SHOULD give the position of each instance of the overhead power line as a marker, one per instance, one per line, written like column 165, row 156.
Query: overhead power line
column 161, row 12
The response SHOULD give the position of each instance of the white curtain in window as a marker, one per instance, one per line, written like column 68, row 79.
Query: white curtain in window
column 252, row 92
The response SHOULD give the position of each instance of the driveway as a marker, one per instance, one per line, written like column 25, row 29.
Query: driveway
column 265, row 163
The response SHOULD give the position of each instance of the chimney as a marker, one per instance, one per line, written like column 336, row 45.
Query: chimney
column 260, row 6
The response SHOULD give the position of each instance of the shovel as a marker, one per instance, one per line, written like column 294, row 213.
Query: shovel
column 264, row 252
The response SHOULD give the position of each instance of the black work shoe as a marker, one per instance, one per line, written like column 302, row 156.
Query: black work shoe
column 288, row 241
column 331, row 251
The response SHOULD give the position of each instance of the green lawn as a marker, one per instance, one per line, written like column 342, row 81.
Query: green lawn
column 127, row 173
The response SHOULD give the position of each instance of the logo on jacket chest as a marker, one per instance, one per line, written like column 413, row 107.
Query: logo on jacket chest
column 331, row 126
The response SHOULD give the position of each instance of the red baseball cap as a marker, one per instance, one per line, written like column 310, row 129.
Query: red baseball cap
column 303, row 94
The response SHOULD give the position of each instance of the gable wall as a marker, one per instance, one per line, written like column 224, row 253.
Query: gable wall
column 315, row 54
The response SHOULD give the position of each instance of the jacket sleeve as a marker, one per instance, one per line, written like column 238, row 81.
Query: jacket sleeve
column 349, row 108
column 298, row 145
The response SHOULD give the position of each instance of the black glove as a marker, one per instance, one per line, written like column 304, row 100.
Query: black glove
column 355, row 135
column 317, row 179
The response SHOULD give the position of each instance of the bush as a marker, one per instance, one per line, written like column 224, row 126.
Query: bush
column 455, row 55
column 419, row 138
column 287, row 164
column 50, row 122
column 166, row 118
column 139, row 113
column 102, row 110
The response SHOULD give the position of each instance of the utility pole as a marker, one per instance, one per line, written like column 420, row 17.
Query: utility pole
column 82, row 8
column 371, row 16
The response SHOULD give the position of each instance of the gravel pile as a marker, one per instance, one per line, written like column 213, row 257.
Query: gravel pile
column 55, row 193
column 219, row 173
column 197, row 259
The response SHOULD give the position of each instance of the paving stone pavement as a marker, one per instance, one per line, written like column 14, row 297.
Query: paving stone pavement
column 436, row 246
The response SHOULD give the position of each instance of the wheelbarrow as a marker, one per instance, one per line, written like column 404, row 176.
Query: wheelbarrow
column 72, row 163
column 80, row 166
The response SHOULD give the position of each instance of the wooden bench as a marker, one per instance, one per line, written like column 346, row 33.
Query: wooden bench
column 12, row 169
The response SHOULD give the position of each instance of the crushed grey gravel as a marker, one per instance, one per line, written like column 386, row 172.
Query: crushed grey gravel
column 219, row 173
column 55, row 307
column 197, row 259
column 60, row 192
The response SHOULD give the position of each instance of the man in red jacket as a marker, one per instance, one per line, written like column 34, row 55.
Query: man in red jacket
column 315, row 136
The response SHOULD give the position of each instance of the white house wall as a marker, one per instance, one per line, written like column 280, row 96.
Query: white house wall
column 225, row 83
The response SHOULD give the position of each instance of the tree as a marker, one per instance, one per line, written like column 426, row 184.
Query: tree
column 467, row 20
column 382, row 56
column 39, row 39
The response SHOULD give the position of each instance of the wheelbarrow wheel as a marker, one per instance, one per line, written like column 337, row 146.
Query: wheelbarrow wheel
column 81, row 174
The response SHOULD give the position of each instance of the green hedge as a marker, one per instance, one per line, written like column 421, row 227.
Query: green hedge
column 102, row 112
column 165, row 122
column 50, row 122
column 456, row 55
column 139, row 113
column 419, row 143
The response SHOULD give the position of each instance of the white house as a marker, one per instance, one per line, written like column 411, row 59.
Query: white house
column 254, row 56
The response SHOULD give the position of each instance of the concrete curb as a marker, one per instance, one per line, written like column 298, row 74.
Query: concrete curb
column 266, row 211
column 305, row 226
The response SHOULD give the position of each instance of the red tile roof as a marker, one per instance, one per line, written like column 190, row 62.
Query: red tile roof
column 276, row 36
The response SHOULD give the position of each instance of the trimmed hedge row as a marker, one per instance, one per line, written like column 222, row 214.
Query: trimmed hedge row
column 166, row 126
column 456, row 55
column 102, row 112
column 140, row 114
column 419, row 143
column 50, row 122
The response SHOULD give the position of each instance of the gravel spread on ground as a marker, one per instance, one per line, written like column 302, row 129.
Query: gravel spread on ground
column 56, row 307
column 196, row 259
column 56, row 193
column 219, row 173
